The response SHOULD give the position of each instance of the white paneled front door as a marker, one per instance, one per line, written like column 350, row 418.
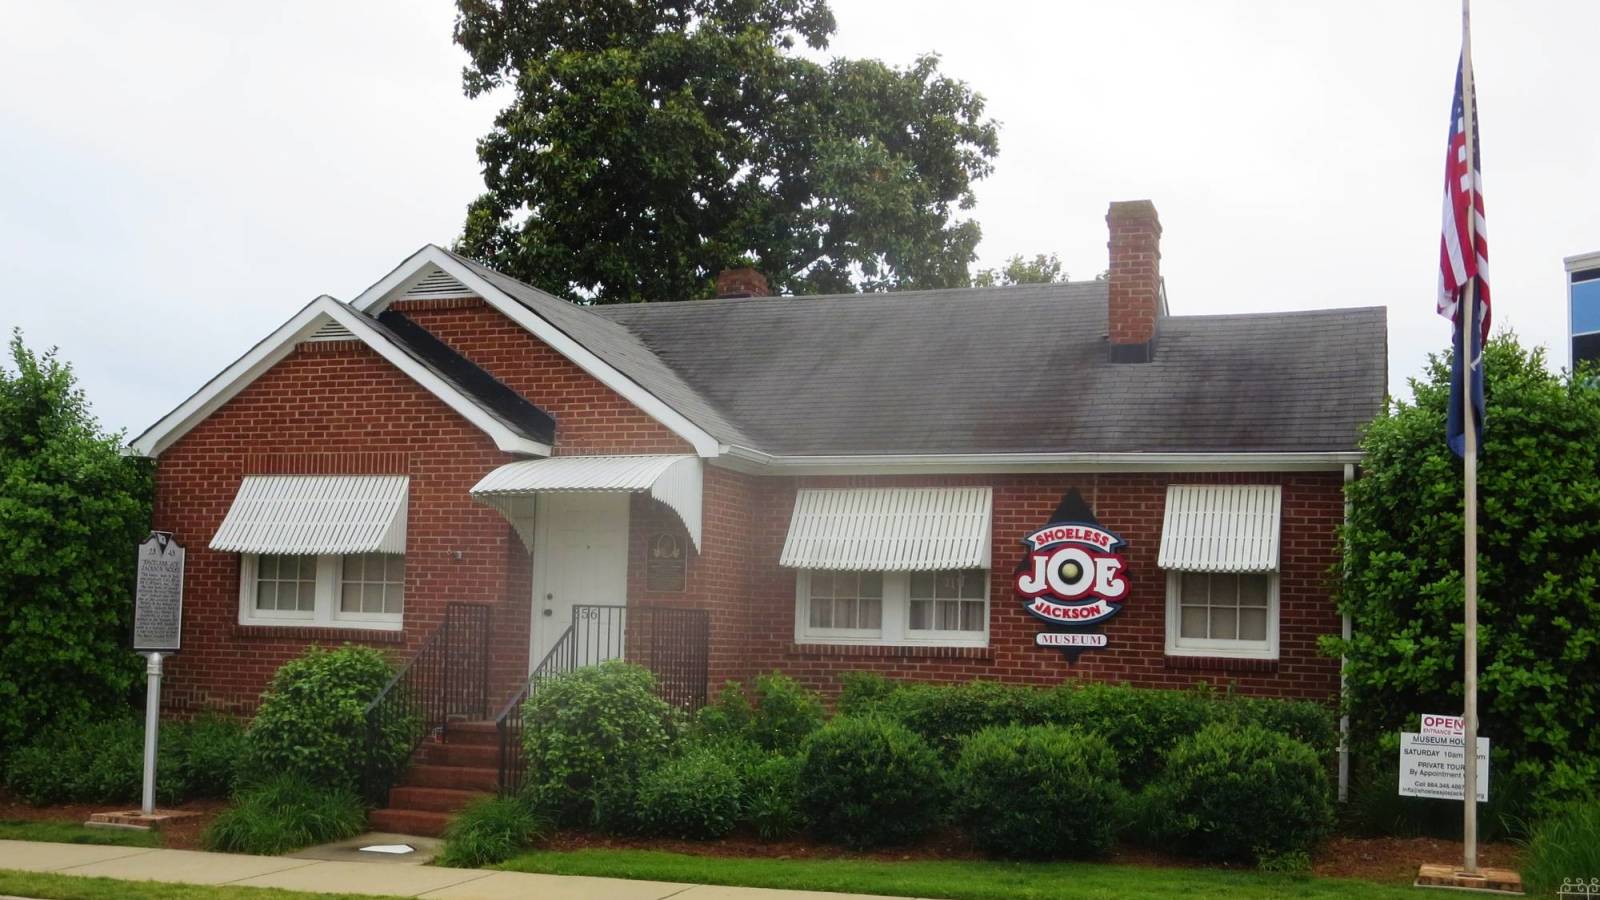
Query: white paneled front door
column 580, row 556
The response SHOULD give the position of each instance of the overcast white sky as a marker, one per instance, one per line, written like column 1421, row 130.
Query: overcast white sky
column 178, row 178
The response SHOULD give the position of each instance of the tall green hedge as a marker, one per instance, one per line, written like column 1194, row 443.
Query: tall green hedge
column 1538, row 569
column 72, row 511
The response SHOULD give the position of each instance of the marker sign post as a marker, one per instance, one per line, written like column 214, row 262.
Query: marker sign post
column 157, row 629
column 1433, row 761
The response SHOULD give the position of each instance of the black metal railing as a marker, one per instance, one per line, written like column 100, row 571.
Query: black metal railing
column 447, row 678
column 673, row 643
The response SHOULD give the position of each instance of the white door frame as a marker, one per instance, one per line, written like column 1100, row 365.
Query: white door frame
column 548, row 567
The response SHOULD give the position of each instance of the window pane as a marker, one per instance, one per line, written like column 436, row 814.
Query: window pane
column 1252, row 624
column 1193, row 622
column 844, row 613
column 1224, row 589
column 350, row 598
column 267, row 568
column 354, row 568
column 948, row 584
column 949, row 615
column 871, row 584
column 1253, row 590
column 972, row 616
column 821, row 613
column 266, row 595
column 922, row 584
column 394, row 568
column 1224, row 625
column 972, row 584
column 921, row 614
column 393, row 600
column 871, row 613
column 1195, row 588
column 822, row 584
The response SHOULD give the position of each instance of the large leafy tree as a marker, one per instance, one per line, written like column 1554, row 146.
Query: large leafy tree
column 72, row 510
column 647, row 144
column 1538, row 568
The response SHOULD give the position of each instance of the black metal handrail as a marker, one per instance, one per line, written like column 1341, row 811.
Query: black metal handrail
column 447, row 678
column 672, row 642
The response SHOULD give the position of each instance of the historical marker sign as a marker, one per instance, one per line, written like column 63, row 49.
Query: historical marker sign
column 158, row 599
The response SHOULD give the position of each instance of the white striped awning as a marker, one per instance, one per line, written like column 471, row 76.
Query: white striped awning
column 674, row 480
column 1221, row 528
column 889, row 529
column 316, row 514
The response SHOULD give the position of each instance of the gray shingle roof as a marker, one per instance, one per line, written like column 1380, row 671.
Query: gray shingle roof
column 1016, row 369
column 985, row 370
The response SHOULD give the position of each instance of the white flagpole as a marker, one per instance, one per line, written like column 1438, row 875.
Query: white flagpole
column 1469, row 567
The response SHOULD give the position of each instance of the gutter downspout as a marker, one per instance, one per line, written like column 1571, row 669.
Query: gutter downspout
column 1344, row 717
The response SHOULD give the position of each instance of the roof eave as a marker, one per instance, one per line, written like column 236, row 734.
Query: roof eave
column 753, row 461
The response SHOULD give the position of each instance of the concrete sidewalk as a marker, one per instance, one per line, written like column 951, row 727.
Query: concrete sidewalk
column 194, row 867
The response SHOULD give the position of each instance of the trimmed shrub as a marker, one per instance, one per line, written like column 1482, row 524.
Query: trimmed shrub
column 98, row 762
column 210, row 750
column 311, row 722
column 285, row 814
column 696, row 795
column 1239, row 793
column 867, row 782
column 491, row 831
column 1038, row 792
column 1565, row 845
column 772, row 797
column 590, row 733
column 783, row 715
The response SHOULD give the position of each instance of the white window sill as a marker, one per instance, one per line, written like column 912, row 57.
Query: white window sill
column 1225, row 652
column 857, row 641
column 349, row 624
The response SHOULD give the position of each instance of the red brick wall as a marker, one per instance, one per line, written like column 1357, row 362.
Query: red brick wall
column 590, row 417
column 1130, row 505
column 333, row 408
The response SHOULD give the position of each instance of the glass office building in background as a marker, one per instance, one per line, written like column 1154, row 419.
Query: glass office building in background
column 1583, row 307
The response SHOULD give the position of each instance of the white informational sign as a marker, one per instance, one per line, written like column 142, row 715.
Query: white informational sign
column 1448, row 726
column 1433, row 765
column 158, row 594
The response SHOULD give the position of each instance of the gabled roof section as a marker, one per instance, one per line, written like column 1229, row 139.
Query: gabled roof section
column 607, row 351
column 510, row 425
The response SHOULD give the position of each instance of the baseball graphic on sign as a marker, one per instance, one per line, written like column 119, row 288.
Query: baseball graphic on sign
column 1072, row 577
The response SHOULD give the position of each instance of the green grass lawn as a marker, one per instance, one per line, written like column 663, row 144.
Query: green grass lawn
column 954, row 879
column 47, row 886
column 68, row 833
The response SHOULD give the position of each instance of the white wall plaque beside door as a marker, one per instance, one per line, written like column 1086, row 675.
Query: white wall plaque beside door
column 158, row 597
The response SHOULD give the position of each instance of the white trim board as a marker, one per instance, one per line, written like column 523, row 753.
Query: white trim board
column 744, row 459
column 391, row 286
column 272, row 349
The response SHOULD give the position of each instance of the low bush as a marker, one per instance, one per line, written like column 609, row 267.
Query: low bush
column 1039, row 792
column 1565, row 845
column 772, row 797
column 1137, row 722
column 284, row 814
column 312, row 723
column 695, row 795
column 782, row 716
column 1239, row 793
column 491, row 831
column 103, row 761
column 867, row 782
column 590, row 734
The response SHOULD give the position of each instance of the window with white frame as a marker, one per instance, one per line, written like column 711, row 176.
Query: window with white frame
column 886, row 608
column 363, row 590
column 1222, row 613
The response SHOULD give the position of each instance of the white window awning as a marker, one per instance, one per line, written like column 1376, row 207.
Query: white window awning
column 316, row 514
column 889, row 529
column 1221, row 528
column 674, row 480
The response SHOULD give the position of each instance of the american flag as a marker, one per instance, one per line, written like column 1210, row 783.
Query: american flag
column 1463, row 191
column 1456, row 266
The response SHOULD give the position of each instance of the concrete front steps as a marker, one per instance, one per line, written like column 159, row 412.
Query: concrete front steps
column 444, row 776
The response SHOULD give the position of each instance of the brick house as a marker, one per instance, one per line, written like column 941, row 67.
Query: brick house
column 811, row 484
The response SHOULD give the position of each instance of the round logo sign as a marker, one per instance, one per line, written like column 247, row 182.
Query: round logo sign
column 1072, row 574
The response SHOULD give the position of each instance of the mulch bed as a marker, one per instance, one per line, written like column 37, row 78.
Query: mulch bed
column 183, row 835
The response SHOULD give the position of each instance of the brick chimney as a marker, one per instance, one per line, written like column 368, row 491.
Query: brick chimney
column 745, row 282
column 1136, row 299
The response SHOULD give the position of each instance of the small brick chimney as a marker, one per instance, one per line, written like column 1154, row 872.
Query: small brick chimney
column 1136, row 300
column 745, row 282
